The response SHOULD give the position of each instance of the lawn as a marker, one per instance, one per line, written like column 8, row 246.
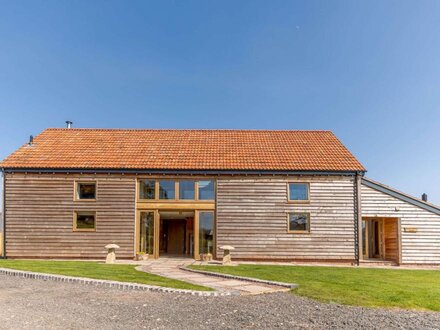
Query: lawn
column 410, row 289
column 96, row 270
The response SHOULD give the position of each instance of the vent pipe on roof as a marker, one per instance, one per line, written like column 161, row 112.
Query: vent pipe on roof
column 31, row 140
column 425, row 197
column 68, row 124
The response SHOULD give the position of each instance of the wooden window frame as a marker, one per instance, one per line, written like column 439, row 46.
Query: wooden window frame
column 138, row 188
column 196, row 185
column 75, row 218
column 157, row 190
column 303, row 201
column 197, row 190
column 76, row 184
column 196, row 232
column 299, row 231
column 176, row 191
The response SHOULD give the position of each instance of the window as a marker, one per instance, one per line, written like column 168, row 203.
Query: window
column 206, row 190
column 86, row 190
column 176, row 190
column 186, row 189
column 299, row 222
column 167, row 189
column 206, row 232
column 298, row 192
column 147, row 189
column 84, row 221
column 146, row 239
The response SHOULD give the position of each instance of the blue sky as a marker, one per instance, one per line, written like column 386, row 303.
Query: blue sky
column 367, row 70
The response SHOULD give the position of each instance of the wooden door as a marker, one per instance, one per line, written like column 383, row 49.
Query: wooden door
column 176, row 237
column 391, row 238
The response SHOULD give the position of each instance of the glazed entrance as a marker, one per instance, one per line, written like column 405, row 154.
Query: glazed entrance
column 176, row 233
column 188, row 233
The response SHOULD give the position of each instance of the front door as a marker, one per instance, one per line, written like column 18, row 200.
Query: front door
column 175, row 237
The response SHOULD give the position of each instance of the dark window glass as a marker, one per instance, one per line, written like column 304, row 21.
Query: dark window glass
column 206, row 190
column 166, row 189
column 298, row 191
column 146, row 189
column 186, row 189
column 299, row 222
column 206, row 232
column 85, row 221
column 87, row 190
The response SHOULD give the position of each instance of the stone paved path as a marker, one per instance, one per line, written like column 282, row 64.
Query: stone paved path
column 169, row 267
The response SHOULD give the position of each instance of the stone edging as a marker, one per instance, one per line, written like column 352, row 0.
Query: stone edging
column 108, row 283
column 236, row 277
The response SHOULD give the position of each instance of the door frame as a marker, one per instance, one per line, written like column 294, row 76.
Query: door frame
column 380, row 239
column 156, row 245
column 382, row 244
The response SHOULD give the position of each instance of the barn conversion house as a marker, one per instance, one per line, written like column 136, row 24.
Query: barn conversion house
column 273, row 195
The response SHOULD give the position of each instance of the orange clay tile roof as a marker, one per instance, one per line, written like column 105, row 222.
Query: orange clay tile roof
column 171, row 149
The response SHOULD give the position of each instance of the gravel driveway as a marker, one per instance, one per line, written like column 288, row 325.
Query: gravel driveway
column 26, row 303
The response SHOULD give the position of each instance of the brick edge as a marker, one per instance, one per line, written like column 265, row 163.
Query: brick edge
column 108, row 283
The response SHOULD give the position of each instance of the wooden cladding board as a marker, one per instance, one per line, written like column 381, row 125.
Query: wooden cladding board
column 252, row 217
column 419, row 245
column 39, row 209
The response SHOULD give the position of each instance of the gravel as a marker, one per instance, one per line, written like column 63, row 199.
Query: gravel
column 39, row 304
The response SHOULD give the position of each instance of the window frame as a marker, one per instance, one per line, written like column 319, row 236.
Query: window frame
column 299, row 231
column 76, row 197
column 176, row 190
column 198, row 190
column 300, row 201
column 177, row 195
column 156, row 189
column 75, row 223
column 214, row 228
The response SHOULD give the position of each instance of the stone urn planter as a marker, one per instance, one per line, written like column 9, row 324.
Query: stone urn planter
column 111, row 253
column 141, row 256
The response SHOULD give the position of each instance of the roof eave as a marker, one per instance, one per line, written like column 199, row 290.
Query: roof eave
column 183, row 171
column 400, row 195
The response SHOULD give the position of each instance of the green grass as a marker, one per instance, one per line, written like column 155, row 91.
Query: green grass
column 409, row 289
column 96, row 270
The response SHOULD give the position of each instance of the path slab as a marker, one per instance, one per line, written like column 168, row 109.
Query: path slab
column 171, row 267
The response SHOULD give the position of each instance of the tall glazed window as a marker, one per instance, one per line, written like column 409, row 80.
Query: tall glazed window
column 206, row 232
column 146, row 241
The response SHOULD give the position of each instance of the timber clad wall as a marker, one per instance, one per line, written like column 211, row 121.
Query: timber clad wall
column 422, row 246
column 252, row 217
column 40, row 210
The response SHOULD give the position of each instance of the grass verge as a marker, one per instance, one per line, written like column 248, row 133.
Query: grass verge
column 96, row 270
column 399, row 288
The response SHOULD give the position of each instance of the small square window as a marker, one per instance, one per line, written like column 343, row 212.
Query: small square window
column 86, row 190
column 299, row 222
column 206, row 190
column 298, row 192
column 85, row 221
column 147, row 189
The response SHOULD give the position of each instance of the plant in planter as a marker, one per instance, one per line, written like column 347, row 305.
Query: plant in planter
column 141, row 256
